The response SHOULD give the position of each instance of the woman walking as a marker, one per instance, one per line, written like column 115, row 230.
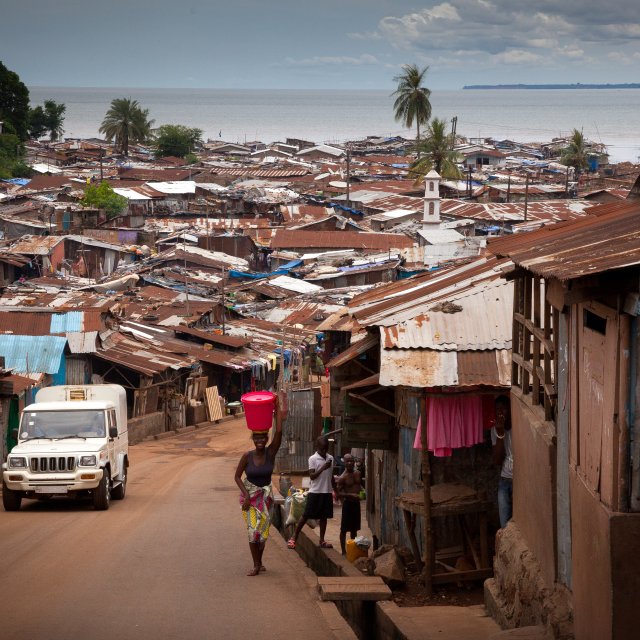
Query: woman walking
column 257, row 493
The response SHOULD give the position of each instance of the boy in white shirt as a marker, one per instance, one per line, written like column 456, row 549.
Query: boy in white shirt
column 320, row 497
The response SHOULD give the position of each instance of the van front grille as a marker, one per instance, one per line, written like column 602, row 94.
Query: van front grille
column 51, row 464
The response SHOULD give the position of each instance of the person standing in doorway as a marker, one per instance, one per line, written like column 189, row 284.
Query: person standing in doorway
column 503, row 455
column 348, row 487
column 320, row 497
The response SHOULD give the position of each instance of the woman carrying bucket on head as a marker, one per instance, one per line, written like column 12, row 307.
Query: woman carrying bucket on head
column 257, row 466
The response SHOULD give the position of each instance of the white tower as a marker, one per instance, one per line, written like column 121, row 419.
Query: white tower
column 431, row 216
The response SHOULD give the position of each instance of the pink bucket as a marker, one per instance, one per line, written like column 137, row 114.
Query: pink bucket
column 258, row 409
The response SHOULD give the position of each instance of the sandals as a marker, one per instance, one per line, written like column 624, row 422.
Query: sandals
column 325, row 545
column 291, row 543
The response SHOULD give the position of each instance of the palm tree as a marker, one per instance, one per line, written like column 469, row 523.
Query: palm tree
column 437, row 146
column 125, row 122
column 575, row 154
column 412, row 99
column 54, row 119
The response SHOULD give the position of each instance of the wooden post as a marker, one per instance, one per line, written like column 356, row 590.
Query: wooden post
column 426, row 480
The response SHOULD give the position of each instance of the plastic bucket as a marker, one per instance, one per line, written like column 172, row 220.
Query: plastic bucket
column 354, row 551
column 258, row 409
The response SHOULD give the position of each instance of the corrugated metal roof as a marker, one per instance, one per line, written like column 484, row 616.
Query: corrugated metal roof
column 354, row 350
column 32, row 354
column 82, row 342
column 290, row 239
column 401, row 301
column 227, row 341
column 427, row 368
column 36, row 245
column 542, row 210
column 475, row 319
column 608, row 239
column 66, row 322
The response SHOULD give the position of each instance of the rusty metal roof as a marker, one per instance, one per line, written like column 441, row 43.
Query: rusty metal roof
column 290, row 239
column 607, row 239
column 140, row 355
column 44, row 323
column 400, row 301
column 36, row 245
column 227, row 341
column 478, row 318
column 354, row 350
column 427, row 368
column 541, row 210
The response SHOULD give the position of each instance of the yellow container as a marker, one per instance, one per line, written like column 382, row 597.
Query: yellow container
column 354, row 551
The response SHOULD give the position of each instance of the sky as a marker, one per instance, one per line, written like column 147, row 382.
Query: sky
column 307, row 44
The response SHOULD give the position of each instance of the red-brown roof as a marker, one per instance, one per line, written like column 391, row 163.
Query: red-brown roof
column 292, row 239
column 609, row 238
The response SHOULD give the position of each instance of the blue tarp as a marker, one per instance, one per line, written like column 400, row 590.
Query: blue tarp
column 19, row 181
column 335, row 205
column 280, row 271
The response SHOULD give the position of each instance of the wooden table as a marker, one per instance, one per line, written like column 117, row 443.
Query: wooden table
column 450, row 500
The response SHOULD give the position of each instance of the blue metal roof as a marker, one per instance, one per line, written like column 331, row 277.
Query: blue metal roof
column 32, row 354
column 66, row 322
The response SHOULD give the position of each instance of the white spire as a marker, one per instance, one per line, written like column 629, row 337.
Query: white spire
column 431, row 216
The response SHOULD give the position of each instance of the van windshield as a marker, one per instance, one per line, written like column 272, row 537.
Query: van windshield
column 62, row 424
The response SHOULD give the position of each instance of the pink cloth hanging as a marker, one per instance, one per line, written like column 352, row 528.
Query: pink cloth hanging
column 453, row 422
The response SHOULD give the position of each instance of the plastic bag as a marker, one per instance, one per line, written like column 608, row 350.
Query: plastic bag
column 298, row 503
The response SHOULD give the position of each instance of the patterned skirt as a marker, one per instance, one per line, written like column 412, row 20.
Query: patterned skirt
column 258, row 516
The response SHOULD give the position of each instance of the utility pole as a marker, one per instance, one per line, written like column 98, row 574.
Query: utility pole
column 223, row 305
column 566, row 185
column 186, row 283
column 348, row 175
column 101, row 172
column 509, row 189
column 526, row 197
column 454, row 126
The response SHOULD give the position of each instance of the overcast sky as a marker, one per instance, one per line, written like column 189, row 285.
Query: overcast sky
column 342, row 44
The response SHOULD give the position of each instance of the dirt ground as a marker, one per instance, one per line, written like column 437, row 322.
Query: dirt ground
column 413, row 593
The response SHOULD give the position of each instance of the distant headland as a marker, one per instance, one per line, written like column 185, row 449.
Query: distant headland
column 577, row 85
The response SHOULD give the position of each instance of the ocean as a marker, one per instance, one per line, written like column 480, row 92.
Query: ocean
column 609, row 116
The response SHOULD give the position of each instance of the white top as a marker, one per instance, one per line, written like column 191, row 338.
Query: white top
column 507, row 463
column 322, row 484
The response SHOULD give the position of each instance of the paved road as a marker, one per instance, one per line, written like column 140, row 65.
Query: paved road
column 167, row 562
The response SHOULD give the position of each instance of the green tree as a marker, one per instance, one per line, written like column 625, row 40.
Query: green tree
column 126, row 122
column 437, row 147
column 176, row 140
column 47, row 120
column 10, row 156
column 575, row 154
column 37, row 122
column 14, row 103
column 412, row 99
column 54, row 119
column 102, row 196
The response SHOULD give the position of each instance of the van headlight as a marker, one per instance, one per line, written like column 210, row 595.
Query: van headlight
column 17, row 462
column 87, row 461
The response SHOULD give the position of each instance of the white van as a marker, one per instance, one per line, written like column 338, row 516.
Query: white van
column 72, row 441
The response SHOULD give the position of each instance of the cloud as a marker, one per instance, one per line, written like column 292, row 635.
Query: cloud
column 323, row 61
column 549, row 32
column 367, row 35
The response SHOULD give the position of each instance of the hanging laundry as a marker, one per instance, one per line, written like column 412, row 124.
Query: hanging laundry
column 453, row 422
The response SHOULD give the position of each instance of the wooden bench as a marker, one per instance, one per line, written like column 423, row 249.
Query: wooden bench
column 360, row 588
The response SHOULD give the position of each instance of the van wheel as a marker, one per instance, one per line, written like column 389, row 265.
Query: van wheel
column 102, row 493
column 11, row 500
column 118, row 493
